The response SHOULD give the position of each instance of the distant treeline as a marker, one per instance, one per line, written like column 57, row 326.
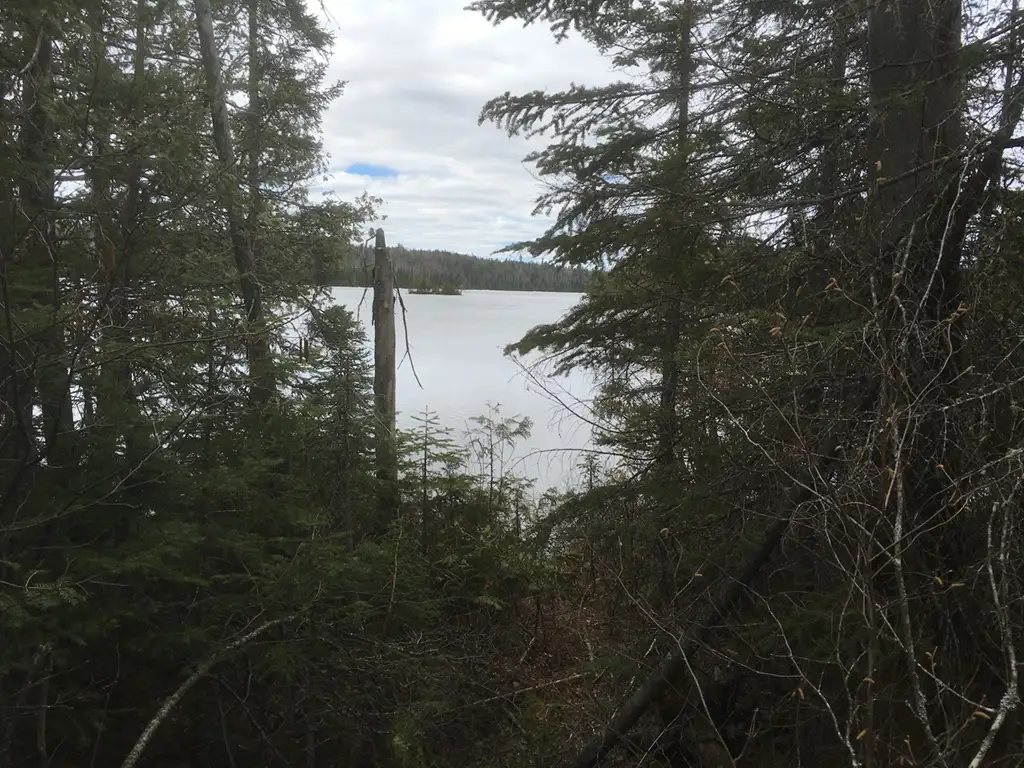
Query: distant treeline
column 432, row 269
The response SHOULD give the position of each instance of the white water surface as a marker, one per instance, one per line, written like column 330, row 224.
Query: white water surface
column 456, row 344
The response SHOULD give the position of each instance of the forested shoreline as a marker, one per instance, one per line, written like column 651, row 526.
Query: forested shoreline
column 422, row 269
column 798, row 229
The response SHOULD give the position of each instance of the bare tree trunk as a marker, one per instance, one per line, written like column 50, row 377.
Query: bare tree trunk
column 917, row 95
column 37, row 203
column 114, row 249
column 257, row 348
column 253, row 108
column 384, row 380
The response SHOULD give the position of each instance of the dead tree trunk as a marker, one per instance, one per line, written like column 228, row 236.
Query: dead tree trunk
column 384, row 379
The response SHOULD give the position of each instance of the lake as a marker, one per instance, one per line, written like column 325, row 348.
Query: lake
column 456, row 344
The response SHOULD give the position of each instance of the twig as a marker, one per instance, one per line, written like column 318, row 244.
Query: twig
column 405, row 326
column 527, row 651
column 1011, row 698
column 515, row 693
column 919, row 706
column 394, row 581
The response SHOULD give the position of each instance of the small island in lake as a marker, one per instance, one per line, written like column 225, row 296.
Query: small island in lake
column 438, row 290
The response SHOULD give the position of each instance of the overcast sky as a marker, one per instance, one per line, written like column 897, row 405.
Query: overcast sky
column 405, row 130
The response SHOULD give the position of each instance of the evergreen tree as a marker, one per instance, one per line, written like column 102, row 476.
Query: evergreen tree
column 187, row 570
column 798, row 227
column 824, row 359
column 433, row 270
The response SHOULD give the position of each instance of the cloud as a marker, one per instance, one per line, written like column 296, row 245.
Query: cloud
column 418, row 73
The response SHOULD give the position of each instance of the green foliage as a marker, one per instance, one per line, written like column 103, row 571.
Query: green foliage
column 440, row 271
column 786, row 325
column 157, row 502
column 798, row 307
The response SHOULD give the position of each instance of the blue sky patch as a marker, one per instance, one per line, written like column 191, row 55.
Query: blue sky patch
column 374, row 171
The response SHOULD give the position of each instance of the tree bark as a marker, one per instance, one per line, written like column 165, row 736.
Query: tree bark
column 257, row 348
column 49, row 357
column 253, row 108
column 670, row 372
column 384, row 380
column 916, row 95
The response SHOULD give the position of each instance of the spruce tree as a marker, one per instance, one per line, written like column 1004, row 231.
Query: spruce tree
column 848, row 178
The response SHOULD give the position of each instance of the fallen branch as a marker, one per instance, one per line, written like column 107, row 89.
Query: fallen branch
column 195, row 677
column 520, row 691
column 674, row 664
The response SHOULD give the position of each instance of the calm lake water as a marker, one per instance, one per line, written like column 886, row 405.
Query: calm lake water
column 456, row 344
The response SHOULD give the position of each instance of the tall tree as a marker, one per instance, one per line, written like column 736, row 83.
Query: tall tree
column 828, row 342
column 241, row 245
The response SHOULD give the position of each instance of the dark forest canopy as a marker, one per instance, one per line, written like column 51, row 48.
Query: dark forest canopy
column 434, row 269
column 805, row 325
